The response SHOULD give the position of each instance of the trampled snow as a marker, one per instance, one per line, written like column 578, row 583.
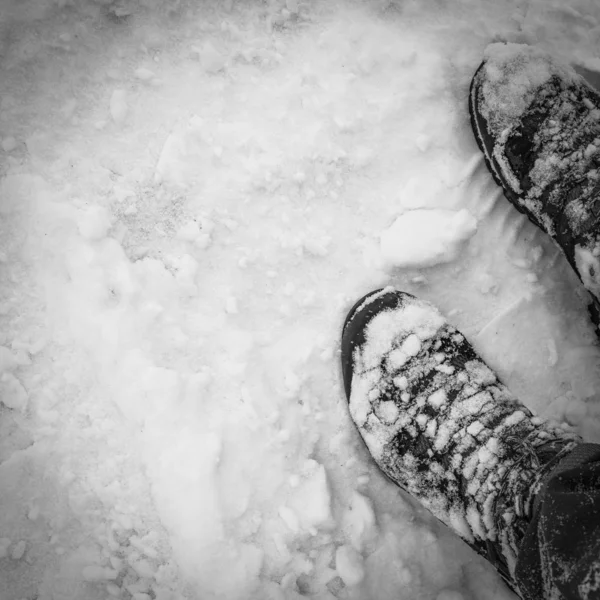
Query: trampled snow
column 192, row 197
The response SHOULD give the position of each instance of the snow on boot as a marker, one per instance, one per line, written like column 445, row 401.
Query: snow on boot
column 440, row 425
column 537, row 123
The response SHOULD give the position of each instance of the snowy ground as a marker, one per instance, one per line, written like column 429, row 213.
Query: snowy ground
column 193, row 194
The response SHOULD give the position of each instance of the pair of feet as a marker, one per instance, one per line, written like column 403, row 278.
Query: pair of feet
column 435, row 418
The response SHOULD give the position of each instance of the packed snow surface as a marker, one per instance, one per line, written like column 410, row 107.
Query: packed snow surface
column 192, row 196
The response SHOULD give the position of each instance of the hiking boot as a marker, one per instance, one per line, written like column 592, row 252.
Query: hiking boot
column 537, row 123
column 440, row 424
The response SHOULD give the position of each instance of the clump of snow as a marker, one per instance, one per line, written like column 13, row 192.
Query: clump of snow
column 349, row 565
column 437, row 398
column 411, row 345
column 210, row 58
column 9, row 143
column 144, row 74
column 387, row 412
column 424, row 238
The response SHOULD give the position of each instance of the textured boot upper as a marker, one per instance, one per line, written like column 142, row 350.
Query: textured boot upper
column 538, row 123
column 440, row 424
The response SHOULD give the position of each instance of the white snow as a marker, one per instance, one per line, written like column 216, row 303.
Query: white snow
column 311, row 500
column 411, row 345
column 144, row 74
column 387, row 412
column 437, row 398
column 401, row 381
column 396, row 359
column 426, row 237
column 349, row 565
column 192, row 196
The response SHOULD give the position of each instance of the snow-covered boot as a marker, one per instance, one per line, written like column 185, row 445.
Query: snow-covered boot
column 538, row 124
column 440, row 424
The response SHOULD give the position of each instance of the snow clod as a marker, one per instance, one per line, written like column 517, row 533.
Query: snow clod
column 426, row 237
column 9, row 144
column 144, row 74
column 211, row 59
column 411, row 345
column 437, row 398
column 387, row 412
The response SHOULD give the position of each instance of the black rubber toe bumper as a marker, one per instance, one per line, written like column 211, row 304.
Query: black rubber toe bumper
column 353, row 334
